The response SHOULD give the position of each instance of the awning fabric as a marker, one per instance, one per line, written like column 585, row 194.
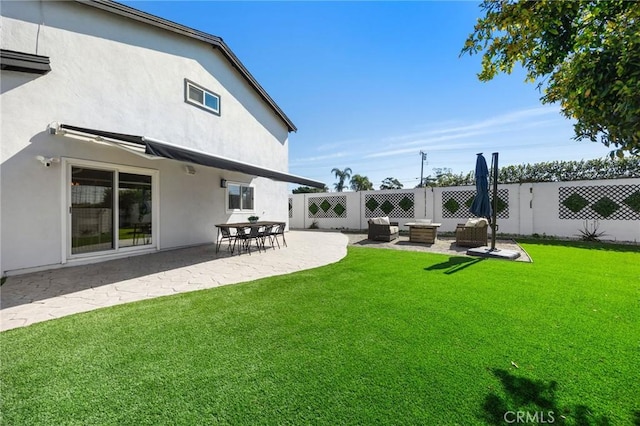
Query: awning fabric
column 163, row 149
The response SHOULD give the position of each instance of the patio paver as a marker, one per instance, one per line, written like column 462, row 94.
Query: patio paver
column 41, row 296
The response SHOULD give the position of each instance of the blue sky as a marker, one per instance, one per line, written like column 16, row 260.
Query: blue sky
column 371, row 84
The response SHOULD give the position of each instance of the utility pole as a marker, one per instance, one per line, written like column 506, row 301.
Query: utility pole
column 424, row 159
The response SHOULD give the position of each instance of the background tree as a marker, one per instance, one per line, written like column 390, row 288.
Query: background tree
column 309, row 190
column 564, row 171
column 444, row 176
column 361, row 183
column 342, row 176
column 391, row 183
column 551, row 171
column 584, row 54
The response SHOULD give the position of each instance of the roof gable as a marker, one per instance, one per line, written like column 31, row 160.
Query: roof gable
column 214, row 41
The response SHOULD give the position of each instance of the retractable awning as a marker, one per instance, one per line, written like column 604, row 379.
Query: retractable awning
column 162, row 149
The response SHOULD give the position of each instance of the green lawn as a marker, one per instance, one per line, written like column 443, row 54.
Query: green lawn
column 382, row 337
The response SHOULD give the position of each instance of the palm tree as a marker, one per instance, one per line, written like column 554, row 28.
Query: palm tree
column 361, row 183
column 342, row 176
column 391, row 183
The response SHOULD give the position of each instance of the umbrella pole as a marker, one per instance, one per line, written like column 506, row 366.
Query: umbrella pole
column 494, row 213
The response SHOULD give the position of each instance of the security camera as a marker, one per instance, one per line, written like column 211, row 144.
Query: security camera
column 53, row 128
column 47, row 161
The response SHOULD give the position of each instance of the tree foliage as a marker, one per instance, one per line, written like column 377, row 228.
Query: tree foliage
column 361, row 183
column 563, row 171
column 449, row 178
column 309, row 190
column 391, row 183
column 553, row 171
column 584, row 54
column 342, row 176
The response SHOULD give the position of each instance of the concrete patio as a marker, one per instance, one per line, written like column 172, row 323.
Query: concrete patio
column 443, row 245
column 36, row 297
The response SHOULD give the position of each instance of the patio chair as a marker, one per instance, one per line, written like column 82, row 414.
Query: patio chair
column 245, row 237
column 473, row 233
column 267, row 232
column 141, row 232
column 226, row 235
column 279, row 230
column 381, row 229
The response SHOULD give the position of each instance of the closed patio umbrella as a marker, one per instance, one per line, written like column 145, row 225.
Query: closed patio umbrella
column 481, row 205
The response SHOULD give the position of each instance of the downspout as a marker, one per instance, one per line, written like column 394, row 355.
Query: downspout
column 360, row 210
column 305, row 211
column 425, row 202
column 433, row 200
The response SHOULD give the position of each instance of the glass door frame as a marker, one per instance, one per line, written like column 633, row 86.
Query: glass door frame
column 67, row 165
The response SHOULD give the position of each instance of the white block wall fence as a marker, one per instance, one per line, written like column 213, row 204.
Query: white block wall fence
column 551, row 208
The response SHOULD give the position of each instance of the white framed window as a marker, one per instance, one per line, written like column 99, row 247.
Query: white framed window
column 240, row 197
column 201, row 97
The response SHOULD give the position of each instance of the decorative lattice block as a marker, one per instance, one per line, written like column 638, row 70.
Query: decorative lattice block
column 613, row 202
column 456, row 204
column 328, row 206
column 396, row 205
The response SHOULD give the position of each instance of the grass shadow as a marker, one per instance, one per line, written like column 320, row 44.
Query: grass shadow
column 454, row 264
column 535, row 401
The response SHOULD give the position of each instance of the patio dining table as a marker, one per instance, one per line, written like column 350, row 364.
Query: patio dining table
column 241, row 227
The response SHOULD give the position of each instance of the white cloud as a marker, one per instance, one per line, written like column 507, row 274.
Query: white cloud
column 509, row 121
column 318, row 158
column 489, row 128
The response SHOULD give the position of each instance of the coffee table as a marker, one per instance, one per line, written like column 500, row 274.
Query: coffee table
column 423, row 232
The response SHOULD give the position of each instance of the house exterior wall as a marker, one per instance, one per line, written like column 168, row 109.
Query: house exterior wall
column 527, row 209
column 115, row 74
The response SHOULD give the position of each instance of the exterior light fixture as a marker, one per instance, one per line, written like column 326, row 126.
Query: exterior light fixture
column 47, row 162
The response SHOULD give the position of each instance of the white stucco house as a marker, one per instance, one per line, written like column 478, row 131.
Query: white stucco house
column 123, row 133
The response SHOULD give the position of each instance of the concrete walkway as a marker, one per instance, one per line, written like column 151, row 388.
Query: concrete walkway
column 36, row 297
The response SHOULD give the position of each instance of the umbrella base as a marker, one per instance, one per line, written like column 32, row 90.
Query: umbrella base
column 494, row 254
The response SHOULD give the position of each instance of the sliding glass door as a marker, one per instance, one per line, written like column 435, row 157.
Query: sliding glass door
column 111, row 209
column 91, row 210
column 134, row 209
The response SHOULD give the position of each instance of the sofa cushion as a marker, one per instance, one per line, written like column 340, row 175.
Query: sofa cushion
column 394, row 230
column 477, row 223
column 380, row 220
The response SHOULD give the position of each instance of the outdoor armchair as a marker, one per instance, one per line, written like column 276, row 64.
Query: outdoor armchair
column 381, row 229
column 473, row 233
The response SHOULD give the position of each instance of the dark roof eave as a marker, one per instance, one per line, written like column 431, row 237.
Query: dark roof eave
column 216, row 42
column 11, row 60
